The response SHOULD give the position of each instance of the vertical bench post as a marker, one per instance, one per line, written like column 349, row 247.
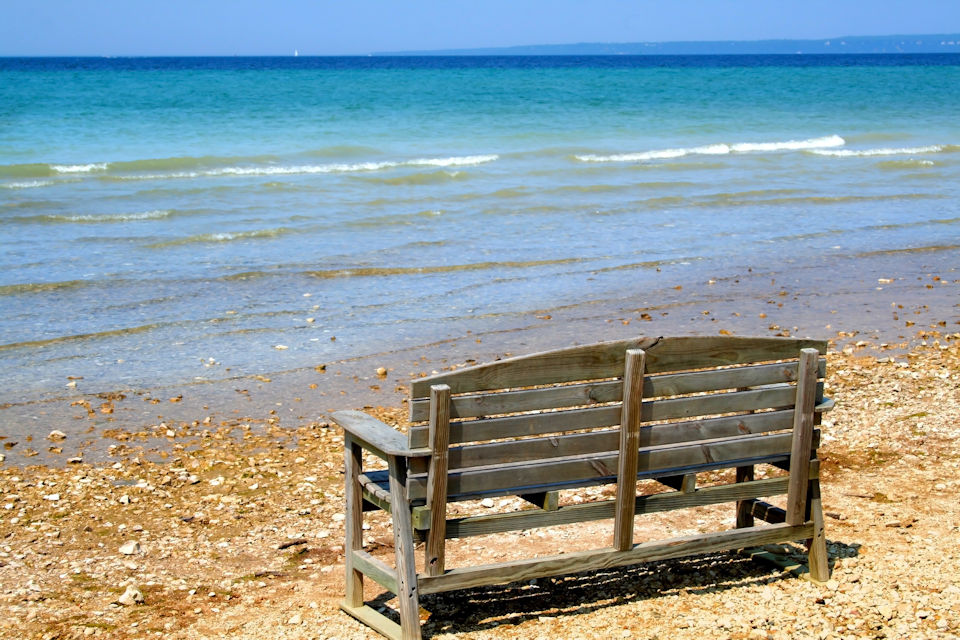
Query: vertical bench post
column 803, row 417
column 817, row 558
column 437, row 478
column 353, row 529
column 626, row 502
column 408, row 600
column 744, row 514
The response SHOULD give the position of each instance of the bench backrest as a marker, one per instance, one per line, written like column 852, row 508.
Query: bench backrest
column 551, row 420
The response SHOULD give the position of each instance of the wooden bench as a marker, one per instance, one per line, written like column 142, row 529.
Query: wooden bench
column 662, row 409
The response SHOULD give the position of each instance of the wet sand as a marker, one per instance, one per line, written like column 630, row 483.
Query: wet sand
column 880, row 302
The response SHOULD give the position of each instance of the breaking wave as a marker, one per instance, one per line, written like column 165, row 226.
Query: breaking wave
column 887, row 151
column 97, row 218
column 718, row 149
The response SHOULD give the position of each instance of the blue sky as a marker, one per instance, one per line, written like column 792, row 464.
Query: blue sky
column 345, row 27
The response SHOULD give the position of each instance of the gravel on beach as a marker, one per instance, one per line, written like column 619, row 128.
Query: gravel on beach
column 234, row 528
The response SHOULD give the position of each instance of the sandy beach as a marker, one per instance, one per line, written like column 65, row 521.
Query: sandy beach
column 207, row 512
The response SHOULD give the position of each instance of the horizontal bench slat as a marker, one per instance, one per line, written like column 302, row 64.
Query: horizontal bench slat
column 486, row 404
column 602, row 468
column 380, row 571
column 578, row 561
column 609, row 439
column 570, row 514
column 533, row 424
column 607, row 416
column 606, row 360
column 588, row 362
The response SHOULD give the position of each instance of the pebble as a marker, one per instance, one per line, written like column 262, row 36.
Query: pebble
column 131, row 596
column 487, row 503
column 56, row 434
column 887, row 586
column 130, row 548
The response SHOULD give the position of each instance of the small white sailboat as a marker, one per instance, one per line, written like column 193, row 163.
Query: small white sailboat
column 296, row 53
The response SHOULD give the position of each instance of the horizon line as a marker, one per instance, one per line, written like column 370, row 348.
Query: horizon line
column 505, row 50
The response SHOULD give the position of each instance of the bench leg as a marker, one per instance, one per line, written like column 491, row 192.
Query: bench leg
column 744, row 507
column 817, row 558
column 353, row 525
column 408, row 601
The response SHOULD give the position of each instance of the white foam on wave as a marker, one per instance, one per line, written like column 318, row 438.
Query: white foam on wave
column 861, row 153
column 718, row 149
column 453, row 161
column 298, row 170
column 116, row 217
column 29, row 184
column 79, row 168
column 660, row 154
column 790, row 145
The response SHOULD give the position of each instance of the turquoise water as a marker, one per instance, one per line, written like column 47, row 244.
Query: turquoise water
column 173, row 220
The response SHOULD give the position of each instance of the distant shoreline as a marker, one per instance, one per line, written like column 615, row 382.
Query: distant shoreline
column 886, row 44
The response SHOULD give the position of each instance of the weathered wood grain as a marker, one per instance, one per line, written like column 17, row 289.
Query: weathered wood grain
column 546, row 500
column 376, row 437
column 408, row 601
column 437, row 478
column 779, row 461
column 800, row 453
column 654, row 503
column 767, row 512
column 375, row 489
column 507, row 572
column 353, row 524
column 711, row 403
column 817, row 557
column 375, row 568
column 581, row 471
column 605, row 360
column 609, row 415
column 744, row 517
column 375, row 620
column 572, row 395
column 627, row 455
column 588, row 362
column 608, row 439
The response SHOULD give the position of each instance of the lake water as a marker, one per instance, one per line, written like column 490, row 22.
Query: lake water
column 186, row 219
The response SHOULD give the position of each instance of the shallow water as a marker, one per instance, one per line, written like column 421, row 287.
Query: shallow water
column 174, row 220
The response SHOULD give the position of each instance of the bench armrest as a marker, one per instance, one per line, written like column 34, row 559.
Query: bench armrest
column 375, row 436
column 825, row 405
